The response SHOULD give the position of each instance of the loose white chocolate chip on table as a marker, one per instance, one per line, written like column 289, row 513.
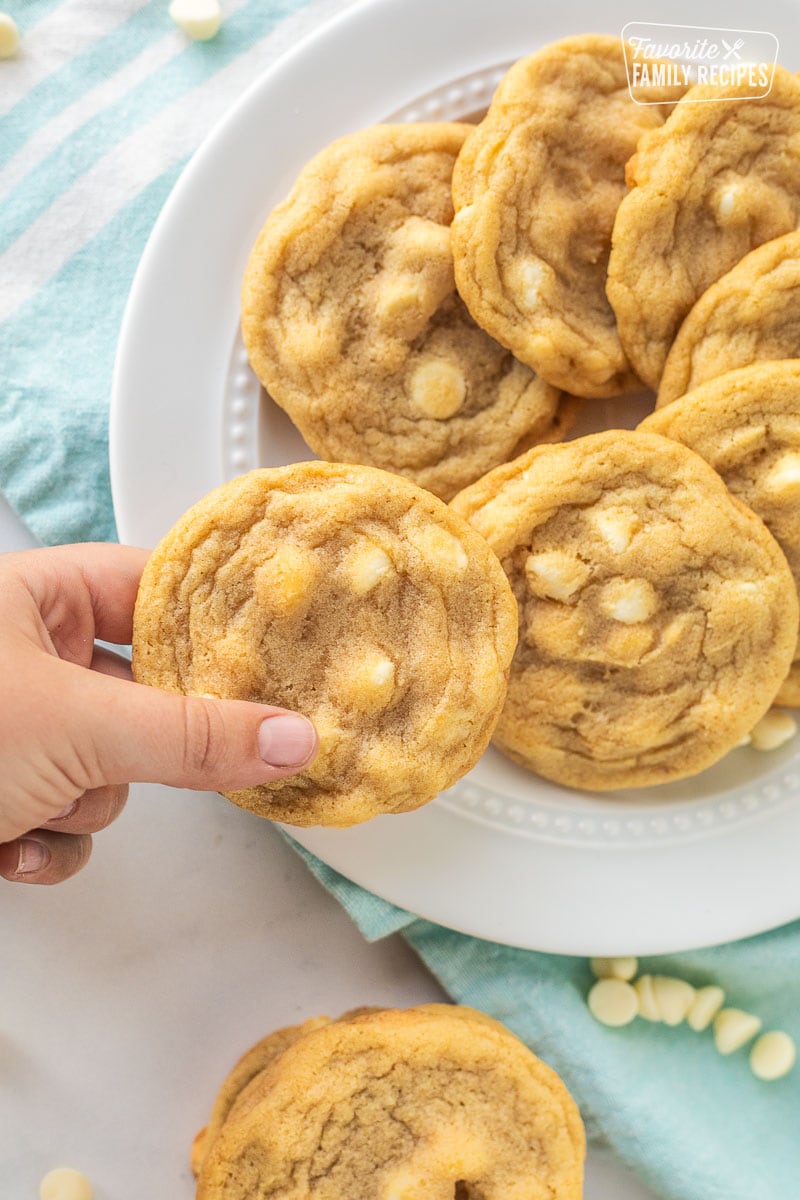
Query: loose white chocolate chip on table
column 199, row 19
column 555, row 574
column 773, row 730
column 64, row 1183
column 705, row 1006
column 437, row 389
column 629, row 600
column 773, row 1055
column 613, row 1002
column 733, row 1028
column 614, row 968
column 9, row 36
column 783, row 478
column 366, row 565
column 616, row 526
column 673, row 998
column 648, row 1009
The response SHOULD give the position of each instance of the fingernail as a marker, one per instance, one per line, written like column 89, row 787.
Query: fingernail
column 286, row 741
column 33, row 856
column 65, row 812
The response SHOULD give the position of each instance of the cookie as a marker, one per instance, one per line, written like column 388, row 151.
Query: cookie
column 746, row 424
column 536, row 188
column 349, row 595
column 352, row 322
column 719, row 178
column 750, row 314
column 657, row 613
column 251, row 1064
column 435, row 1101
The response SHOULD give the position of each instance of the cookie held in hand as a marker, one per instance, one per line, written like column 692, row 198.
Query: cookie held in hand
column 353, row 597
column 423, row 1104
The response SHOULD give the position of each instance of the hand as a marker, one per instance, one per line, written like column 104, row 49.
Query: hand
column 75, row 729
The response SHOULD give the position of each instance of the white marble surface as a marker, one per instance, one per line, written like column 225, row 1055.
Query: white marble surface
column 129, row 990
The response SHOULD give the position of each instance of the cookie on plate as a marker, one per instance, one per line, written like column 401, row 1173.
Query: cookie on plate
column 657, row 613
column 750, row 314
column 720, row 177
column 431, row 1101
column 352, row 322
column 536, row 188
column 352, row 596
column 746, row 424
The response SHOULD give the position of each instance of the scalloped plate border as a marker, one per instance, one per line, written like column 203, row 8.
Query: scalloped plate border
column 502, row 855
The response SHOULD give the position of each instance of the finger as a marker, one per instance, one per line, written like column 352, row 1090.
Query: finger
column 92, row 811
column 44, row 857
column 146, row 734
column 109, row 575
column 109, row 663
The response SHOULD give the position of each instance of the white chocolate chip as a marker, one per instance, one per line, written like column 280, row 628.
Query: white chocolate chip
column 773, row 1055
column 773, row 730
column 365, row 566
column 614, row 968
column 783, row 478
column 284, row 580
column 64, row 1183
column 437, row 545
column 437, row 388
column 733, row 1028
column 9, row 36
column 616, row 526
column 382, row 670
column 648, row 1009
column 673, row 998
column 613, row 1002
column 555, row 574
column 726, row 202
column 526, row 277
column 403, row 304
column 199, row 19
column 629, row 600
column 418, row 240
column 368, row 685
column 705, row 1006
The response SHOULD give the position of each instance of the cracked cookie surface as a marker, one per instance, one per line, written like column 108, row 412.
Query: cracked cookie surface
column 746, row 424
column 719, row 178
column 749, row 315
column 658, row 615
column 355, row 598
column 536, row 189
column 421, row 1104
column 352, row 322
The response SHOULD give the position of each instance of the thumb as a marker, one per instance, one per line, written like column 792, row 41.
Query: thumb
column 144, row 734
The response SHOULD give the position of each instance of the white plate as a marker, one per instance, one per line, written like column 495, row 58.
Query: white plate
column 502, row 855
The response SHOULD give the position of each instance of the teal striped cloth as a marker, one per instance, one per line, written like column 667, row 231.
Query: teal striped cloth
column 98, row 115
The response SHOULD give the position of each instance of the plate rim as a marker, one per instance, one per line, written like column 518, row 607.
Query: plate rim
column 332, row 845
